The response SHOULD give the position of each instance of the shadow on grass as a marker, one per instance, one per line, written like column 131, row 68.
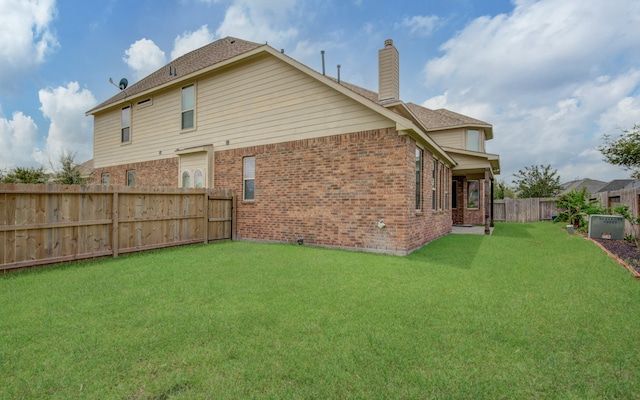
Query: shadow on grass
column 461, row 251
column 457, row 251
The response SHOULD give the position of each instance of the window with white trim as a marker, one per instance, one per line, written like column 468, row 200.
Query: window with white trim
column 473, row 140
column 418, row 179
column 131, row 177
column 434, row 192
column 125, row 126
column 188, row 106
column 198, row 180
column 186, row 179
column 105, row 179
column 248, row 177
column 473, row 194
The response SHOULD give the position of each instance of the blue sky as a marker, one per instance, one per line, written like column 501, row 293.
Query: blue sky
column 551, row 76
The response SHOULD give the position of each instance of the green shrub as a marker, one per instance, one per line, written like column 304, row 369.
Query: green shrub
column 577, row 208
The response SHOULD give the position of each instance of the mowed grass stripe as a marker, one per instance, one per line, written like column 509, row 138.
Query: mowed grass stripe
column 529, row 312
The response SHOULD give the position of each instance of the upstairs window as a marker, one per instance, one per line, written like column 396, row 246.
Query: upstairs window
column 473, row 140
column 249, row 176
column 125, row 136
column 188, row 106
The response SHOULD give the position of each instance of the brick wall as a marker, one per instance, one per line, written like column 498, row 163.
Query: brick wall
column 333, row 191
column 152, row 173
column 463, row 215
column 330, row 191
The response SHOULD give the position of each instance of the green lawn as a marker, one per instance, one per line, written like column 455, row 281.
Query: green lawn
column 530, row 312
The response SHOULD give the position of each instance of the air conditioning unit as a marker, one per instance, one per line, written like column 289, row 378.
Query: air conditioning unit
column 606, row 227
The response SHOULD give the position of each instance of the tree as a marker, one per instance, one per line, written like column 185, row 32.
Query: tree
column 68, row 171
column 537, row 181
column 503, row 190
column 576, row 206
column 26, row 175
column 624, row 150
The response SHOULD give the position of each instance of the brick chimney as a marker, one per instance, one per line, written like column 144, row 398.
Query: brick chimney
column 388, row 72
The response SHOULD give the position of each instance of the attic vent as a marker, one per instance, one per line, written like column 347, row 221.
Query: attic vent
column 145, row 102
column 232, row 41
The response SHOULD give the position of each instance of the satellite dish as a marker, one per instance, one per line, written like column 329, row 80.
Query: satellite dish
column 123, row 83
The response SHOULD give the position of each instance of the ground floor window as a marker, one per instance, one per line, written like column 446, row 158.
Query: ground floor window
column 418, row 179
column 249, row 176
column 105, row 179
column 197, row 179
column 473, row 194
column 131, row 177
column 454, row 194
column 186, row 179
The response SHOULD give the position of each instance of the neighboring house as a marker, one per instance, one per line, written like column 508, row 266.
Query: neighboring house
column 591, row 185
column 309, row 157
column 618, row 184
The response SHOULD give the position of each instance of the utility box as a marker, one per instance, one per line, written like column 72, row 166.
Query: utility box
column 606, row 227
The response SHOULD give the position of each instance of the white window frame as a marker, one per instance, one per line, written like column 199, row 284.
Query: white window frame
column 434, row 190
column 131, row 177
column 198, row 174
column 248, row 175
column 419, row 180
column 476, row 141
column 186, row 183
column 469, row 183
column 125, row 124
column 184, row 110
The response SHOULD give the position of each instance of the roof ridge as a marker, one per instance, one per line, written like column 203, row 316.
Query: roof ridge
column 195, row 60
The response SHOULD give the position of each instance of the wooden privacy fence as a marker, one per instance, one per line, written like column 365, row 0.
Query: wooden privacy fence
column 43, row 224
column 524, row 210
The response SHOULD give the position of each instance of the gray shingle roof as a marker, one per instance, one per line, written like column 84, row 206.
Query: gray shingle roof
column 193, row 61
column 442, row 118
column 592, row 185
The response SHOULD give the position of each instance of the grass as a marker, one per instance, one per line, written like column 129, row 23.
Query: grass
column 529, row 312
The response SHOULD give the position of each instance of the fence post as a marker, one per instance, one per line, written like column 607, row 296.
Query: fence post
column 205, row 217
column 114, row 230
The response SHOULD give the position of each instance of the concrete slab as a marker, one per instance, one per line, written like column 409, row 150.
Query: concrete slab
column 469, row 230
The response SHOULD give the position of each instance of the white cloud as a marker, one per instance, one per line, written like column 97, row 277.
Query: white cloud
column 548, row 81
column 70, row 129
column 25, row 37
column 420, row 25
column 18, row 139
column 259, row 21
column 144, row 57
column 189, row 41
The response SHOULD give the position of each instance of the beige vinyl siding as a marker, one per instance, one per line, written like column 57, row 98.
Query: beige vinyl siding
column 260, row 101
column 466, row 162
column 191, row 162
column 450, row 138
column 456, row 138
